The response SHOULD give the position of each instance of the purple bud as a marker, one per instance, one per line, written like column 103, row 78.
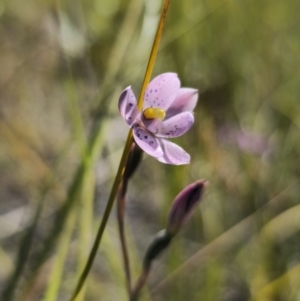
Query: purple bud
column 183, row 205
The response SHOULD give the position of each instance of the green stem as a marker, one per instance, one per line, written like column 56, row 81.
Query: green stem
column 124, row 158
column 103, row 223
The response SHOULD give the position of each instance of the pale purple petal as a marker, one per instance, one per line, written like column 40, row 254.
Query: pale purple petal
column 173, row 154
column 147, row 141
column 185, row 100
column 161, row 91
column 151, row 125
column 175, row 126
column 128, row 106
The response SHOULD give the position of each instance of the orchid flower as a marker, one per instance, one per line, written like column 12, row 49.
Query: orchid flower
column 167, row 113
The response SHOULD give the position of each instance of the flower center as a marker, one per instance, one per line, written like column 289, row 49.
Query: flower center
column 154, row 113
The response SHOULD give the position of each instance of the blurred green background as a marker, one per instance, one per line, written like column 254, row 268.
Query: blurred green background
column 63, row 65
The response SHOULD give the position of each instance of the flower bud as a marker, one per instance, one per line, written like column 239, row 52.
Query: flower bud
column 160, row 242
column 183, row 205
column 134, row 159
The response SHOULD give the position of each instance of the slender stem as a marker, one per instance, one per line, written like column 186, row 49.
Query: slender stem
column 120, row 217
column 124, row 158
column 103, row 223
column 139, row 285
column 153, row 52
